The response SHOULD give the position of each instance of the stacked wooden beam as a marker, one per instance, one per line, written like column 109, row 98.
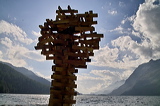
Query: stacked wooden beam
column 69, row 41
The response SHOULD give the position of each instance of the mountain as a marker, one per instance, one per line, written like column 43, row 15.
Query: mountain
column 145, row 80
column 110, row 88
column 29, row 74
column 12, row 81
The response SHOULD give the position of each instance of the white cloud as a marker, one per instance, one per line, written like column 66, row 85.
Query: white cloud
column 17, row 54
column 125, row 54
column 118, row 29
column 14, row 31
column 148, row 24
column 112, row 12
column 36, row 33
column 99, row 79
column 130, row 19
column 13, row 46
column 121, row 30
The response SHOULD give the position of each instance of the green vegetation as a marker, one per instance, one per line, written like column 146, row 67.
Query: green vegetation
column 12, row 81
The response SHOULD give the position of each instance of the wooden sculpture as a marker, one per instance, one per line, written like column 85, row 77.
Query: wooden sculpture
column 69, row 41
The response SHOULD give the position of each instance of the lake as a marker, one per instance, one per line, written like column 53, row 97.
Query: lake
column 82, row 100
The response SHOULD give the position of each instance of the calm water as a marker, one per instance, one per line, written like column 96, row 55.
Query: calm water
column 82, row 100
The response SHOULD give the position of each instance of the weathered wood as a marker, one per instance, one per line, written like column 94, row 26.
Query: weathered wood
column 60, row 84
column 71, row 92
column 56, row 68
column 91, row 35
column 77, row 54
column 84, row 29
column 82, row 48
column 66, row 11
column 71, row 77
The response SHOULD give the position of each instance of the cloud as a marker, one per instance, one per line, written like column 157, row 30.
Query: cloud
column 99, row 79
column 13, row 47
column 15, row 32
column 129, row 19
column 147, row 23
column 121, row 30
column 36, row 33
column 17, row 54
column 112, row 12
column 118, row 29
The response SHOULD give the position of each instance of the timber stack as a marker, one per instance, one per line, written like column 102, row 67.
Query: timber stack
column 68, row 41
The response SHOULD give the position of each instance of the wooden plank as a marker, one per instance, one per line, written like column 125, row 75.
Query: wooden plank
column 77, row 54
column 88, row 60
column 72, row 70
column 95, row 46
column 54, row 52
column 51, row 57
column 59, row 42
column 66, row 11
column 61, row 22
column 91, row 35
column 62, row 92
column 91, row 54
column 47, row 40
column 84, row 28
column 55, row 68
column 71, row 77
column 38, row 47
column 60, row 84
column 85, row 24
column 44, row 46
column 82, row 48
column 58, row 62
column 75, row 62
column 91, row 41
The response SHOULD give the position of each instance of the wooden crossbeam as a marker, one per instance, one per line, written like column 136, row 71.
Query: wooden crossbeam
column 82, row 48
column 65, row 77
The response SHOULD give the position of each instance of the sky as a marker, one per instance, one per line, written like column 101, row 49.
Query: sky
column 131, row 31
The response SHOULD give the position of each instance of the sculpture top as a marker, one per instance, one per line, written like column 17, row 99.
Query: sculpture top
column 69, row 30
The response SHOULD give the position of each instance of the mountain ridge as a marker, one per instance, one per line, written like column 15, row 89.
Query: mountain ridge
column 12, row 81
column 143, row 81
column 28, row 73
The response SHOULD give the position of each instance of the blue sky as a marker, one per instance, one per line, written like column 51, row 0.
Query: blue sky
column 131, row 31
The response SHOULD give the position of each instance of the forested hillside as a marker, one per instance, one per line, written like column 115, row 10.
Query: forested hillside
column 29, row 74
column 12, row 81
